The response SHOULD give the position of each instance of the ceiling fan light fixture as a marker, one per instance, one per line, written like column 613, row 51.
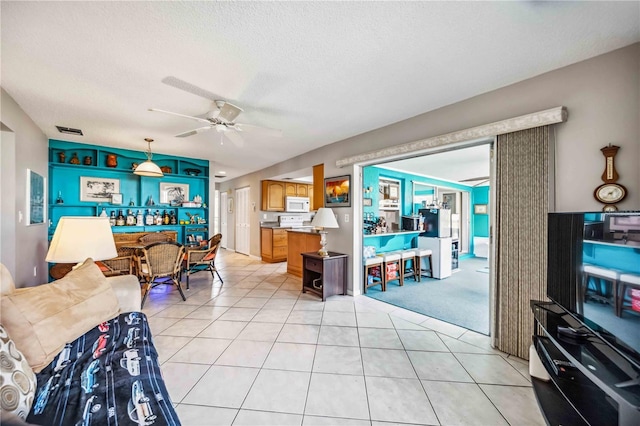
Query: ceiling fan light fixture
column 148, row 168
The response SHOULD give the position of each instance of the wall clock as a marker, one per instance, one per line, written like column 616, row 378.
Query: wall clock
column 610, row 193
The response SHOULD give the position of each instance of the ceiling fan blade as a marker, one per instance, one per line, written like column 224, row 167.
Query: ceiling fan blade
column 266, row 131
column 235, row 138
column 202, row 120
column 193, row 132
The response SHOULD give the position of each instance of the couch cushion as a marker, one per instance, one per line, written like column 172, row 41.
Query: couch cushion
column 42, row 319
column 6, row 281
column 17, row 379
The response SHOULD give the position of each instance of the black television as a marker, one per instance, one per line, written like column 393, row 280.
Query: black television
column 611, row 242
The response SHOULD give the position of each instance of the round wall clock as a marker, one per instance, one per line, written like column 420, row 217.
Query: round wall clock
column 610, row 193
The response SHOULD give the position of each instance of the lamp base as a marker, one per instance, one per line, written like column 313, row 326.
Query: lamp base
column 323, row 244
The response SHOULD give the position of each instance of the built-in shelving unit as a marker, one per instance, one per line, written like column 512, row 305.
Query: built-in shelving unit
column 65, row 183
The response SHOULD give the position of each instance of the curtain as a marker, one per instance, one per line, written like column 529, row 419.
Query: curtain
column 522, row 203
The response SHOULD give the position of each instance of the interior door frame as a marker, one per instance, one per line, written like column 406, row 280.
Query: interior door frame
column 243, row 220
column 223, row 219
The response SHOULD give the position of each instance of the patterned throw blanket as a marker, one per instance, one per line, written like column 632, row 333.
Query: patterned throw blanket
column 108, row 376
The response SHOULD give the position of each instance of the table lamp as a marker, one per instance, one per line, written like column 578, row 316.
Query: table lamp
column 324, row 218
column 77, row 238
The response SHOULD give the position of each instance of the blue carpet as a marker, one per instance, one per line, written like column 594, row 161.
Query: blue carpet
column 462, row 299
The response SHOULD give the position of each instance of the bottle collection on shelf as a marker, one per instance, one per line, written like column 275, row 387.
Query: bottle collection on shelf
column 148, row 219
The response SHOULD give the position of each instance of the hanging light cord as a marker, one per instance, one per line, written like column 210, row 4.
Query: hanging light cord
column 149, row 154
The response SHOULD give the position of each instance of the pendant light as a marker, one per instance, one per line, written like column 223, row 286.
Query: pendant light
column 148, row 168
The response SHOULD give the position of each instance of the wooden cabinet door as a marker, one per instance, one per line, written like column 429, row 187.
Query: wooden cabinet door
column 290, row 190
column 302, row 190
column 273, row 196
column 265, row 243
column 312, row 206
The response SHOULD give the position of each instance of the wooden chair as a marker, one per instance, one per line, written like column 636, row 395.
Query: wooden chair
column 197, row 260
column 161, row 265
column 154, row 237
column 121, row 265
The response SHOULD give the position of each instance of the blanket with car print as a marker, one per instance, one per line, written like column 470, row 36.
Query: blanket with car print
column 108, row 376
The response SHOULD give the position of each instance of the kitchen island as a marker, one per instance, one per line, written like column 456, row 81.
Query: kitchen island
column 300, row 240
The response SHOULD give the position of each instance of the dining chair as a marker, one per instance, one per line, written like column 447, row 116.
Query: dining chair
column 197, row 260
column 160, row 263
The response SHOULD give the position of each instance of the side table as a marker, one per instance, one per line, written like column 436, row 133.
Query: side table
column 324, row 276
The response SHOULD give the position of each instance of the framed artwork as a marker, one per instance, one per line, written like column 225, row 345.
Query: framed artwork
column 36, row 207
column 174, row 193
column 116, row 198
column 337, row 191
column 450, row 200
column 367, row 202
column 98, row 189
column 480, row 209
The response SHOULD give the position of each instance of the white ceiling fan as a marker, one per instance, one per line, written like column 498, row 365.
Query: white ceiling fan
column 222, row 119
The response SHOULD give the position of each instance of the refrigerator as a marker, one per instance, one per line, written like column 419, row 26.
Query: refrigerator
column 437, row 223
column 440, row 256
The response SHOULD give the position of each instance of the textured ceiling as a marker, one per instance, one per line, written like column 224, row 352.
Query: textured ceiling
column 319, row 71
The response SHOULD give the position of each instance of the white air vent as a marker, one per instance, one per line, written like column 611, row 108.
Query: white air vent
column 69, row 130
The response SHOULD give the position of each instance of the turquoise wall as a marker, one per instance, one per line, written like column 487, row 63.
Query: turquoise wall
column 64, row 180
column 480, row 195
column 371, row 175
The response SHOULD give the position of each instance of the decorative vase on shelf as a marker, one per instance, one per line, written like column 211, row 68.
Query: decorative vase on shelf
column 61, row 156
column 88, row 161
column 59, row 200
column 150, row 201
column 74, row 159
column 112, row 160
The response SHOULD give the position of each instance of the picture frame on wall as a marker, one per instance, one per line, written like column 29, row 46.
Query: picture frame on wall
column 337, row 191
column 98, row 189
column 36, row 206
column 174, row 193
column 116, row 198
column 480, row 209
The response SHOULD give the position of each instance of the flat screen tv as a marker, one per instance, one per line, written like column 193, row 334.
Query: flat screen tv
column 611, row 242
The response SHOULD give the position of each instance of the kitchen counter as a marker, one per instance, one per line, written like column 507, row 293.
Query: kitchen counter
column 391, row 234
column 304, row 230
column 615, row 243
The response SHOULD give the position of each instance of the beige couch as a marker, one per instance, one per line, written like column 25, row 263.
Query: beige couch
column 126, row 287
column 37, row 322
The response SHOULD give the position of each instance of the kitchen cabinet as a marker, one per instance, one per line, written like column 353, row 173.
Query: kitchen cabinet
column 273, row 245
column 299, row 242
column 274, row 193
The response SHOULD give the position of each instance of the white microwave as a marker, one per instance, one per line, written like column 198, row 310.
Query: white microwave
column 297, row 204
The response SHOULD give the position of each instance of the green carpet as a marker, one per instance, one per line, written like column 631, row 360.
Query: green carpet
column 462, row 299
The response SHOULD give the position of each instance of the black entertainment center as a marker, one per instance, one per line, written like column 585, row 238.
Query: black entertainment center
column 590, row 375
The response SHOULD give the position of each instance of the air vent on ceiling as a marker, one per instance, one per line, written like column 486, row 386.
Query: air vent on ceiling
column 69, row 130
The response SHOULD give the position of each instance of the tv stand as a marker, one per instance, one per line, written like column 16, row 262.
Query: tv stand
column 593, row 380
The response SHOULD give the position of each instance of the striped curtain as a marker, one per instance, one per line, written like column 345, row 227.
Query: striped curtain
column 522, row 203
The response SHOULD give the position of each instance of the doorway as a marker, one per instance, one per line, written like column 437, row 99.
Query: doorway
column 243, row 226
column 453, row 186
column 223, row 219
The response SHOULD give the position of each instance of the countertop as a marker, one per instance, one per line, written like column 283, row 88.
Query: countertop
column 309, row 230
column 385, row 234
column 616, row 243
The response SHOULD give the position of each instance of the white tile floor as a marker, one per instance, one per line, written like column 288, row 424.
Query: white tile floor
column 256, row 351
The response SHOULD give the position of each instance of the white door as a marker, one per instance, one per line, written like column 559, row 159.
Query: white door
column 243, row 236
column 223, row 219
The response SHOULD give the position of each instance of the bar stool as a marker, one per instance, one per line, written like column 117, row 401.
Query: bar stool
column 391, row 262
column 409, row 256
column 419, row 255
column 598, row 273
column 370, row 264
column 627, row 281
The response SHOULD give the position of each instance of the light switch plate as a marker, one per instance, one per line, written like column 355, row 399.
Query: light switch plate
column 346, row 217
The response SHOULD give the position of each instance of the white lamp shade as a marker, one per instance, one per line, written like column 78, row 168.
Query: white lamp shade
column 324, row 218
column 77, row 238
column 148, row 168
